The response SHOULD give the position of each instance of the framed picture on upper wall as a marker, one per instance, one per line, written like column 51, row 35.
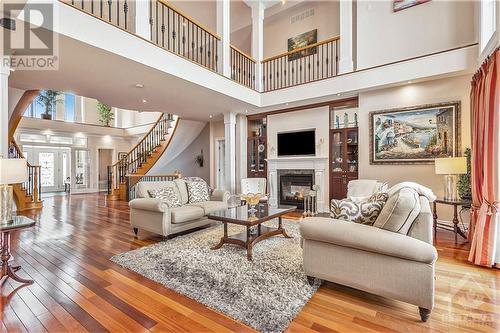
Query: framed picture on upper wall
column 415, row 135
column 398, row 5
column 300, row 41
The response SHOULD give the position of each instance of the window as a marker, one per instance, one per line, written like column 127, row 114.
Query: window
column 69, row 107
column 38, row 138
column 46, row 161
column 64, row 140
column 488, row 22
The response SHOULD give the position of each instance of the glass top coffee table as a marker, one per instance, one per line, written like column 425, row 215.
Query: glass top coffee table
column 255, row 231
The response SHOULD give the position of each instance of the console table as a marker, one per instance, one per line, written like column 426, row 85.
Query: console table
column 465, row 204
column 8, row 271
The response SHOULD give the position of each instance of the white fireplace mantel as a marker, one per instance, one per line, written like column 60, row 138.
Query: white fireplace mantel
column 317, row 163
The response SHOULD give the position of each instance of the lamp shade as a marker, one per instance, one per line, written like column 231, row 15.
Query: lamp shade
column 13, row 171
column 450, row 165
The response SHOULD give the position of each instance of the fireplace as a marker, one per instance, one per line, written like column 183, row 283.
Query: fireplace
column 293, row 185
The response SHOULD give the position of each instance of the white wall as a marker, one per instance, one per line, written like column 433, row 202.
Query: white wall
column 443, row 90
column 317, row 119
column 384, row 36
column 216, row 132
column 278, row 28
column 94, row 143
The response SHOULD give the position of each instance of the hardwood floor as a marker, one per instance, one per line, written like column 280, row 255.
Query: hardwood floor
column 77, row 289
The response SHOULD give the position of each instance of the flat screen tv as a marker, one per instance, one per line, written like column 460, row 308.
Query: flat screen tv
column 297, row 143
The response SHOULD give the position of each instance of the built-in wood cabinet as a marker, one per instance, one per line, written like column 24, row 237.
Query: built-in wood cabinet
column 257, row 147
column 343, row 160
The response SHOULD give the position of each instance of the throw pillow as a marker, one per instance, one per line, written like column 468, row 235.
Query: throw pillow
column 399, row 212
column 167, row 195
column 363, row 212
column 199, row 179
column 197, row 192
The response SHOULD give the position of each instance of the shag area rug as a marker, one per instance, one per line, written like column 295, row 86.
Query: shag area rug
column 266, row 293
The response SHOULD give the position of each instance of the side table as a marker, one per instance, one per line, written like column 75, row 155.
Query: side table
column 18, row 223
column 455, row 204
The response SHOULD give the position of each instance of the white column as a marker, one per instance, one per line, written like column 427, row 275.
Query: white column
column 241, row 149
column 224, row 31
column 60, row 111
column 346, row 36
column 4, row 106
column 258, row 40
column 230, row 154
column 142, row 26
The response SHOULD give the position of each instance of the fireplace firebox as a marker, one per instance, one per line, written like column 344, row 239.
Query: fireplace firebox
column 293, row 187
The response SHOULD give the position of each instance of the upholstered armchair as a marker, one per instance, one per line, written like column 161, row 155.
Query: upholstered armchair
column 393, row 258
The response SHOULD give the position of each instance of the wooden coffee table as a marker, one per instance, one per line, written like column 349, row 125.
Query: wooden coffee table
column 241, row 216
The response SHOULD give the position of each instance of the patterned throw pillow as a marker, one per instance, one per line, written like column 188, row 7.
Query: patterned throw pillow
column 364, row 212
column 197, row 192
column 167, row 195
column 199, row 179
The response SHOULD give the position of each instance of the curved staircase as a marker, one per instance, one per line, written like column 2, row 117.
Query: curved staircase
column 141, row 158
column 27, row 194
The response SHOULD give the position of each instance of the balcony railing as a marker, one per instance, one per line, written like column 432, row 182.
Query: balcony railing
column 176, row 32
column 116, row 12
column 310, row 63
column 183, row 36
column 242, row 68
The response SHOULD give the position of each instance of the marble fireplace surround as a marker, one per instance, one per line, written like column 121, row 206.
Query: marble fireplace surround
column 318, row 164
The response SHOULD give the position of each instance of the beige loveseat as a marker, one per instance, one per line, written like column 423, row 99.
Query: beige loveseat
column 154, row 215
column 382, row 262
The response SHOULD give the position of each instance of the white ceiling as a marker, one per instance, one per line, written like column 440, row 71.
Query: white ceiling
column 93, row 72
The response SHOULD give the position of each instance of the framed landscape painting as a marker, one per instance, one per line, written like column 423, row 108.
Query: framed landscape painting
column 416, row 134
column 302, row 40
column 404, row 4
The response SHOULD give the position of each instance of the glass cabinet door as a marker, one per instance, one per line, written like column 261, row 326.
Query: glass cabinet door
column 82, row 169
column 261, row 152
column 337, row 152
column 352, row 150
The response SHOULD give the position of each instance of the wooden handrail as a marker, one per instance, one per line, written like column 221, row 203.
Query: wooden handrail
column 161, row 175
column 190, row 19
column 243, row 53
column 301, row 49
column 21, row 106
column 140, row 141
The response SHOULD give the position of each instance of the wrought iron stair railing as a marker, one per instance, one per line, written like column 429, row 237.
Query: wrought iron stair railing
column 141, row 155
column 32, row 187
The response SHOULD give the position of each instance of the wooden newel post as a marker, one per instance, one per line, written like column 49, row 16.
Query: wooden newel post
column 36, row 196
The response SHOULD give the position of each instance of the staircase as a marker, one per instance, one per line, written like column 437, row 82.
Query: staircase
column 27, row 194
column 141, row 158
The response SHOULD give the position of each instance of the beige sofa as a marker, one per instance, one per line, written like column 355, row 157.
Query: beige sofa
column 374, row 260
column 156, row 216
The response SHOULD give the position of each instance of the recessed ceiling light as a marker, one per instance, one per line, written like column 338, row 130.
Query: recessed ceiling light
column 339, row 94
column 144, row 101
column 286, row 103
column 210, row 116
column 139, row 85
column 408, row 82
column 246, row 111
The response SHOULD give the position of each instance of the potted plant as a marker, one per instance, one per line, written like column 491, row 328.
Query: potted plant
column 48, row 99
column 464, row 181
column 106, row 116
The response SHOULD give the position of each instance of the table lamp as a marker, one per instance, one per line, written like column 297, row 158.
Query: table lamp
column 450, row 167
column 12, row 171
